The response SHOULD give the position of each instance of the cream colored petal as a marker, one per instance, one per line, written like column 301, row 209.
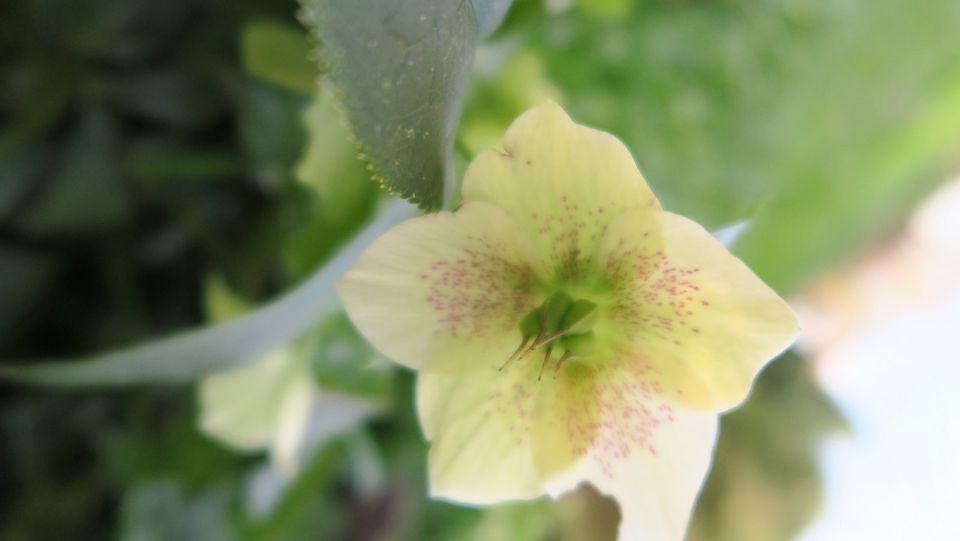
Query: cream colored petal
column 698, row 316
column 630, row 440
column 242, row 407
column 306, row 425
column 467, row 274
column 479, row 420
column 274, row 404
column 656, row 478
column 561, row 181
column 492, row 424
column 511, row 435
column 291, row 426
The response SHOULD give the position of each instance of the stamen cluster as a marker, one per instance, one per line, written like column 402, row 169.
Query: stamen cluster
column 560, row 323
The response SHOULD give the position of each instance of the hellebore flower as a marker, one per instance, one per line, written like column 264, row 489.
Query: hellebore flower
column 566, row 329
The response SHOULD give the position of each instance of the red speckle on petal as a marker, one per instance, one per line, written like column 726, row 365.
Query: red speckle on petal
column 479, row 291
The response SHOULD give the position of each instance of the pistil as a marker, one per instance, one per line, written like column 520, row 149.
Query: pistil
column 560, row 322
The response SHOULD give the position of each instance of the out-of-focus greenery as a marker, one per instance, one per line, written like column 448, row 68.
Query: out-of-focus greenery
column 147, row 146
column 766, row 484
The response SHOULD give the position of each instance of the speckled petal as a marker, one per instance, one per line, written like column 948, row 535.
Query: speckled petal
column 465, row 274
column 562, row 181
column 702, row 320
column 499, row 434
column 507, row 435
column 655, row 477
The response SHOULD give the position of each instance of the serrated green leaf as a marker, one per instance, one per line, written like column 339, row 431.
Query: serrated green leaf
column 401, row 67
column 280, row 54
column 192, row 354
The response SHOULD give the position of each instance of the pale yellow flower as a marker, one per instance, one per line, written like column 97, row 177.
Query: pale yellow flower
column 635, row 329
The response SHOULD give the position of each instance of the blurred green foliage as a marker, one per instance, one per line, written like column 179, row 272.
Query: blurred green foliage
column 147, row 146
column 766, row 484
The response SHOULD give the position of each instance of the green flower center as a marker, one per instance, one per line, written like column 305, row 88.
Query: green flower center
column 561, row 323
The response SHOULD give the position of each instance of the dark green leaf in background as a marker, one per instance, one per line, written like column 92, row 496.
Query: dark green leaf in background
column 85, row 195
column 17, row 170
column 178, row 97
column 156, row 161
column 281, row 54
column 271, row 131
column 24, row 277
